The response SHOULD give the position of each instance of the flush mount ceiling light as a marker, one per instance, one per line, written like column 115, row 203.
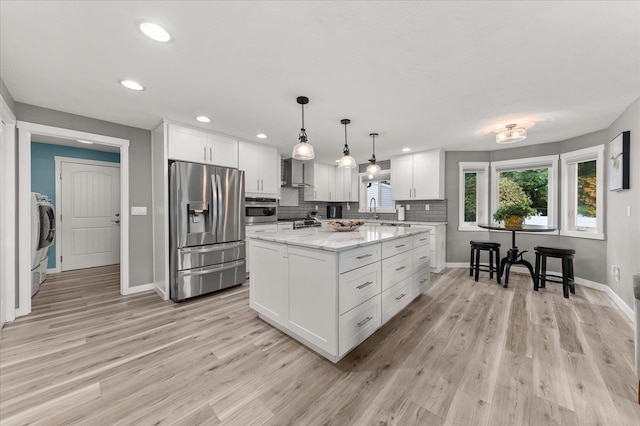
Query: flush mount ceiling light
column 373, row 168
column 303, row 150
column 87, row 142
column 133, row 85
column 155, row 32
column 512, row 134
column 261, row 136
column 347, row 161
column 203, row 119
column 406, row 149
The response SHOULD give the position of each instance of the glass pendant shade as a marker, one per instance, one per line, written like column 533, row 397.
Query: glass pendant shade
column 347, row 162
column 303, row 149
column 373, row 169
column 512, row 134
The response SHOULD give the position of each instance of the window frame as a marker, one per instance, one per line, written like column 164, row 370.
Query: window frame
column 363, row 206
column 547, row 161
column 569, row 161
column 482, row 194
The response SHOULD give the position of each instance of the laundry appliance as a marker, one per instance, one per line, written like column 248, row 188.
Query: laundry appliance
column 43, row 234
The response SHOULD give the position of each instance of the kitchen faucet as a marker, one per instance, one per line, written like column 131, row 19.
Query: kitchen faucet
column 373, row 200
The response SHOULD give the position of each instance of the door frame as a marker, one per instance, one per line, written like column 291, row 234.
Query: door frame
column 58, row 169
column 25, row 130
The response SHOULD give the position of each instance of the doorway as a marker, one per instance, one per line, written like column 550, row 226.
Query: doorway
column 26, row 131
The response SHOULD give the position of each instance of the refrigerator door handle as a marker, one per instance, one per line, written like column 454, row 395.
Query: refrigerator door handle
column 219, row 214
column 223, row 267
column 215, row 210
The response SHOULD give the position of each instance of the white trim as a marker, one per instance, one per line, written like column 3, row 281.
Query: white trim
column 25, row 130
column 7, row 213
column 138, row 289
column 569, row 161
column 53, row 270
column 580, row 281
column 58, row 192
column 482, row 194
column 550, row 162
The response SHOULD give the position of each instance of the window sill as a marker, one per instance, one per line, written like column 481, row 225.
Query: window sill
column 582, row 234
column 387, row 210
column 471, row 228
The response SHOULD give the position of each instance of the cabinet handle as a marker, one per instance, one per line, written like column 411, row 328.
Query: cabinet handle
column 261, row 184
column 257, row 184
column 263, row 230
column 409, row 192
column 205, row 153
column 424, row 280
column 315, row 193
column 364, row 255
column 361, row 286
column 400, row 268
column 423, row 257
column 414, row 193
column 400, row 245
column 210, row 154
column 401, row 296
column 363, row 322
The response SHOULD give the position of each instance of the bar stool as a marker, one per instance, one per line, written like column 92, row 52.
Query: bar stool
column 474, row 259
column 541, row 276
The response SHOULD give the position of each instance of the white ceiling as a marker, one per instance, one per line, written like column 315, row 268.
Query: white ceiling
column 421, row 74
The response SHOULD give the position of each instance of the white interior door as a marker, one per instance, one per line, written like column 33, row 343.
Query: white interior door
column 90, row 208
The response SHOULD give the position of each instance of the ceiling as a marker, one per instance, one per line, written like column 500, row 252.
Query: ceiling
column 421, row 74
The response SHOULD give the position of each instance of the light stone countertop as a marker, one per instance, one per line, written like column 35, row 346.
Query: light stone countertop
column 325, row 238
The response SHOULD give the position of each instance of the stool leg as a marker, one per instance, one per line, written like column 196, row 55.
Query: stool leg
column 498, row 264
column 565, row 277
column 537, row 273
column 572, row 287
column 543, row 272
column 490, row 263
column 506, row 275
column 477, row 264
column 471, row 263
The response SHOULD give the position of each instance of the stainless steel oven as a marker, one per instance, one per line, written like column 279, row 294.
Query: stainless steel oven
column 261, row 210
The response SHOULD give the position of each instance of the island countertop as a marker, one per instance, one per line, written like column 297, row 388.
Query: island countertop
column 325, row 238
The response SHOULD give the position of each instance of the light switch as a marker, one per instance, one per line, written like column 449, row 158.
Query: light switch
column 139, row 211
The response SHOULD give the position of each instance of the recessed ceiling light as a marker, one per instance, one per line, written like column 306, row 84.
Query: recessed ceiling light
column 261, row 136
column 203, row 119
column 338, row 160
column 133, row 85
column 87, row 142
column 406, row 149
column 155, row 32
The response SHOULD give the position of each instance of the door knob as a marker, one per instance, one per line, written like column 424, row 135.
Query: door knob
column 115, row 221
column 117, row 214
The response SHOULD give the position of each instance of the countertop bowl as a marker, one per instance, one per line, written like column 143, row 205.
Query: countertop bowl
column 344, row 225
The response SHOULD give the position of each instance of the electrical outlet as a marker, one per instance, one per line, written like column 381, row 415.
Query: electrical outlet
column 316, row 207
column 426, row 207
column 348, row 206
column 628, row 211
column 615, row 271
column 408, row 207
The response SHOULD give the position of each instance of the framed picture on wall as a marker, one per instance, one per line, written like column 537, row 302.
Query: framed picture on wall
column 619, row 162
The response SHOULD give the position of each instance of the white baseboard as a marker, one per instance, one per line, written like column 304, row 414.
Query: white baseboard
column 139, row 289
column 580, row 281
column 53, row 270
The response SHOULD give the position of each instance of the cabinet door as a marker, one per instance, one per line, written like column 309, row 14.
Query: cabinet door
column 321, row 182
column 354, row 190
column 249, row 161
column 187, row 144
column 269, row 166
column 331, row 183
column 402, row 177
column 426, row 175
column 223, row 151
column 269, row 287
column 341, row 176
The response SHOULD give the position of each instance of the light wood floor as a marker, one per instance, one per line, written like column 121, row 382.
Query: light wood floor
column 464, row 354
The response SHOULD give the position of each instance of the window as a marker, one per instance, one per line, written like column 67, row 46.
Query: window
column 582, row 198
column 376, row 191
column 473, row 195
column 537, row 177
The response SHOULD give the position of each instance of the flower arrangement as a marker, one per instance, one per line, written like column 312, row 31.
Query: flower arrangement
column 513, row 202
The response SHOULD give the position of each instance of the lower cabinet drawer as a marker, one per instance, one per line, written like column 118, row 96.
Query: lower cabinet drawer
column 396, row 268
column 359, row 285
column 421, row 257
column 358, row 324
column 361, row 256
column 396, row 298
column 421, row 281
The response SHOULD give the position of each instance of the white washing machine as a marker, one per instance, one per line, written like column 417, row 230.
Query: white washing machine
column 43, row 234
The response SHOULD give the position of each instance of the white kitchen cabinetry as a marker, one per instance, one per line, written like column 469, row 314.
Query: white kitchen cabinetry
column 260, row 164
column 194, row 145
column 346, row 184
column 268, row 287
column 437, row 244
column 418, row 176
column 254, row 230
column 319, row 175
column 331, row 183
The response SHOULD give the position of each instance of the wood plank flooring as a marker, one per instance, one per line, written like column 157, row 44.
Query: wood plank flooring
column 466, row 353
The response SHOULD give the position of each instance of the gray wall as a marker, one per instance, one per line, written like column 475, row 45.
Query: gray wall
column 623, row 248
column 140, row 231
column 7, row 97
column 590, row 259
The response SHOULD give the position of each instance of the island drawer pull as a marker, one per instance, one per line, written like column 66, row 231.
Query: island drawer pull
column 423, row 257
column 400, row 268
column 366, row 320
column 361, row 286
column 422, row 281
column 401, row 296
column 400, row 245
column 364, row 256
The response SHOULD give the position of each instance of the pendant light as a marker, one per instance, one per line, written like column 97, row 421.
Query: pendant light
column 512, row 134
column 373, row 168
column 303, row 150
column 347, row 161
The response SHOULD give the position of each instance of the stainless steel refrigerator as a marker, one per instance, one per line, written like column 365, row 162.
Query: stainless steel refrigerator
column 206, row 228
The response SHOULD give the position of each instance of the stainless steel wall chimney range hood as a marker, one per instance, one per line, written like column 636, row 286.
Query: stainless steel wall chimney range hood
column 294, row 174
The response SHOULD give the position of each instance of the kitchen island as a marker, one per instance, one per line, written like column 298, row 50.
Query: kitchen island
column 331, row 290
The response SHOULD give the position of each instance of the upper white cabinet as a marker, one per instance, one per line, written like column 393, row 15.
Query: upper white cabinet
column 418, row 176
column 261, row 169
column 318, row 174
column 346, row 184
column 189, row 144
column 331, row 183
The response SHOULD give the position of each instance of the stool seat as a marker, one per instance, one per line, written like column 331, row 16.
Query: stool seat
column 554, row 251
column 484, row 244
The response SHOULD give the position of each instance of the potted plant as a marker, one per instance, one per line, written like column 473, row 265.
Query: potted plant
column 514, row 204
